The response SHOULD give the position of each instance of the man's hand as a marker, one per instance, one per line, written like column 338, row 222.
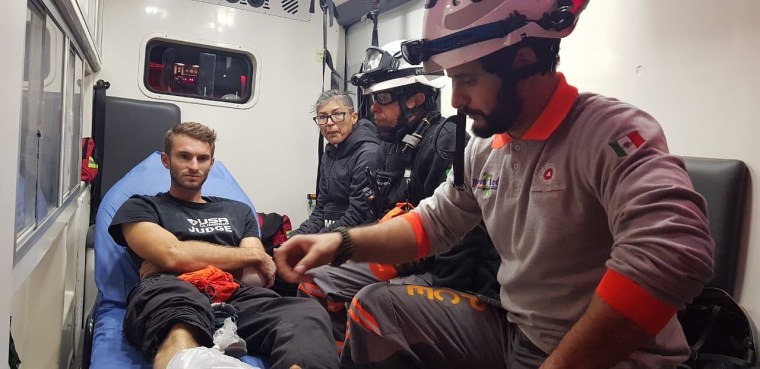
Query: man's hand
column 260, row 273
column 264, row 266
column 147, row 268
column 303, row 252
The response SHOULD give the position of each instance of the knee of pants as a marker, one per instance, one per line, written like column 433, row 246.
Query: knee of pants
column 371, row 308
column 156, row 291
column 307, row 316
column 376, row 294
column 305, row 309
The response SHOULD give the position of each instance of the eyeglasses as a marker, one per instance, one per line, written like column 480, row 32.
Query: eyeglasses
column 383, row 97
column 336, row 117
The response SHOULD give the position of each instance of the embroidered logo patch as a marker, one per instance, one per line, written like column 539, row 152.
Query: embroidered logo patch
column 487, row 184
column 547, row 173
column 548, row 182
column 627, row 144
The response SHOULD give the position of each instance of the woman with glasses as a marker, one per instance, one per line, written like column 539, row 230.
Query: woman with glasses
column 351, row 148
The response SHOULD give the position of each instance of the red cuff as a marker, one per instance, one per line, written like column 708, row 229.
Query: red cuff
column 635, row 303
column 423, row 242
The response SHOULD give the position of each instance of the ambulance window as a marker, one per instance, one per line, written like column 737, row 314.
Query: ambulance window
column 46, row 100
column 26, row 186
column 198, row 72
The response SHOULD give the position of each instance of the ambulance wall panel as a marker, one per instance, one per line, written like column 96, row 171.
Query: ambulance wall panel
column 38, row 309
column 12, row 23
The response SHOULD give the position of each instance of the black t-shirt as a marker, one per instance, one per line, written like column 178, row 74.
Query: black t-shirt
column 219, row 221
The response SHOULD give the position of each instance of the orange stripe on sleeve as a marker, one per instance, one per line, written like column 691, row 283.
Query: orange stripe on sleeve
column 423, row 242
column 635, row 303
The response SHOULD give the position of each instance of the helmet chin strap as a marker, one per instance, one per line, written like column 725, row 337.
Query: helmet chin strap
column 403, row 126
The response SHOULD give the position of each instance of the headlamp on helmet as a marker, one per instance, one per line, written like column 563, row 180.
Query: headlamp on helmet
column 376, row 61
column 385, row 69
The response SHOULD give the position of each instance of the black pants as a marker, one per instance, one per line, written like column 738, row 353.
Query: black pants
column 284, row 330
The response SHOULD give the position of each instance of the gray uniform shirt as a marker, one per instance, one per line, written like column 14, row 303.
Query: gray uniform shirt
column 590, row 186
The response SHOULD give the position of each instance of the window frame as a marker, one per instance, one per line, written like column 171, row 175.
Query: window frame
column 250, row 56
column 27, row 236
column 32, row 118
column 71, row 169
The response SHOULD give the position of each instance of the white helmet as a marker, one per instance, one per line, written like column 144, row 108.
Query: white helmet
column 456, row 32
column 384, row 69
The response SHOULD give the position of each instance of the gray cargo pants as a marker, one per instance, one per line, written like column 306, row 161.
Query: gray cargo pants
column 335, row 287
column 406, row 326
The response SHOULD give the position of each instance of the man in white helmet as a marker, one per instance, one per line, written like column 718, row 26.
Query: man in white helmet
column 601, row 235
column 416, row 151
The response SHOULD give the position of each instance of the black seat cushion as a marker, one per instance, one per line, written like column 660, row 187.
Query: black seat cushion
column 723, row 183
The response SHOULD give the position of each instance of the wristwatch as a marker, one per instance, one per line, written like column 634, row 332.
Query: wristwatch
column 345, row 249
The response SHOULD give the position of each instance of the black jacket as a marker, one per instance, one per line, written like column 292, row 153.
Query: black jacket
column 426, row 169
column 342, row 179
column 472, row 265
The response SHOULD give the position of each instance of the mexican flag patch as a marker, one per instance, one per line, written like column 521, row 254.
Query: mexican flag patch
column 627, row 144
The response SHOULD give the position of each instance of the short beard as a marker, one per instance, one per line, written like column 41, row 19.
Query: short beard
column 509, row 106
column 175, row 178
column 187, row 187
column 390, row 134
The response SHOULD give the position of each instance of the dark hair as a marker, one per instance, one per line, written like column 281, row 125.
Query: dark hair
column 546, row 50
column 342, row 97
column 191, row 129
